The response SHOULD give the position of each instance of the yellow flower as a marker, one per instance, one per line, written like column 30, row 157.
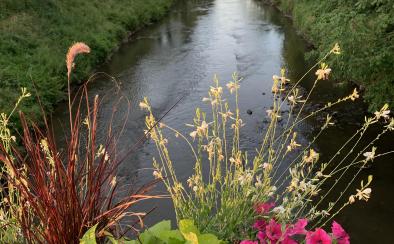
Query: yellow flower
column 354, row 95
column 313, row 156
column 336, row 49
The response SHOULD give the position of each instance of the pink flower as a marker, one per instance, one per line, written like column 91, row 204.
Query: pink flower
column 273, row 230
column 260, row 224
column 262, row 208
column 288, row 240
column 249, row 242
column 318, row 237
column 261, row 236
column 298, row 228
column 340, row 234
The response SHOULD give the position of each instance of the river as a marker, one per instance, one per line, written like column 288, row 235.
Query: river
column 179, row 57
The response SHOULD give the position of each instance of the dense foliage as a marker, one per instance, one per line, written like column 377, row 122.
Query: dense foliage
column 34, row 35
column 365, row 29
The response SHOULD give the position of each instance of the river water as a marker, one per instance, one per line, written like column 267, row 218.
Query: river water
column 179, row 57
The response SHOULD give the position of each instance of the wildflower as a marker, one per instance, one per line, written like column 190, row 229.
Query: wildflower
column 339, row 234
column 318, row 237
column 336, row 49
column 369, row 156
column 351, row 199
column 236, row 161
column 74, row 50
column 390, row 126
column 294, row 99
column 313, row 156
column 273, row 231
column 193, row 134
column 260, row 224
column 232, row 86
column 157, row 174
column 293, row 144
column 216, row 91
column 364, row 194
column 263, row 208
column 279, row 209
column 383, row 113
column 354, row 95
column 227, row 114
column 267, row 166
column 323, row 72
column 272, row 114
column 144, row 105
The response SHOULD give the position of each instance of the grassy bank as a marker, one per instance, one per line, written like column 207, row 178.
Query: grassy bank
column 35, row 35
column 365, row 31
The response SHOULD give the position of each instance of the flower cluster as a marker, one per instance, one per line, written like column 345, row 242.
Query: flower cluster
column 269, row 230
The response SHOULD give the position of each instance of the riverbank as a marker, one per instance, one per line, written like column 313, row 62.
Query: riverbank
column 35, row 36
column 365, row 31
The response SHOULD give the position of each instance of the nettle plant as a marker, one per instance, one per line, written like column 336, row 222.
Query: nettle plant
column 222, row 201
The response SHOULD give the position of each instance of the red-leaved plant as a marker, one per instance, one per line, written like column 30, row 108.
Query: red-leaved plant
column 62, row 195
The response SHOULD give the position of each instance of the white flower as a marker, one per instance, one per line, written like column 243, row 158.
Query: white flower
column 382, row 114
column 369, row 156
column 279, row 209
column 193, row 134
column 364, row 194
column 232, row 86
column 323, row 72
column 272, row 114
column 144, row 104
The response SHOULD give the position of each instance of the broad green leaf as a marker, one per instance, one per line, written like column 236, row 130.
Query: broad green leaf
column 189, row 231
column 90, row 236
column 160, row 227
column 208, row 239
column 187, row 225
column 171, row 236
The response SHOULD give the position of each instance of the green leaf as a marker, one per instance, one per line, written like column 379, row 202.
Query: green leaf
column 160, row 227
column 90, row 236
column 171, row 236
column 189, row 231
column 187, row 225
column 208, row 238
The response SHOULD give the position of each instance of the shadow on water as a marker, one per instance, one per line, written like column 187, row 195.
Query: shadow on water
column 181, row 54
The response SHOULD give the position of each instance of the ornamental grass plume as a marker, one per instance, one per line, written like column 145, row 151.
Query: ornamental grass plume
column 64, row 193
column 73, row 51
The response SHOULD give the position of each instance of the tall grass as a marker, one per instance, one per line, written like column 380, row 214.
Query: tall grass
column 54, row 196
column 226, row 185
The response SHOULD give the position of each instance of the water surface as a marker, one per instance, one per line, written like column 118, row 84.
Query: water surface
column 179, row 57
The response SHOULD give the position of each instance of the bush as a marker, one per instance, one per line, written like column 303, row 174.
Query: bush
column 365, row 30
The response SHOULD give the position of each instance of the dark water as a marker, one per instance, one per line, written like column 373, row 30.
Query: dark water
column 180, row 55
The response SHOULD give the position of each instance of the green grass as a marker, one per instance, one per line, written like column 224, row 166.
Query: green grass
column 35, row 36
column 365, row 31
